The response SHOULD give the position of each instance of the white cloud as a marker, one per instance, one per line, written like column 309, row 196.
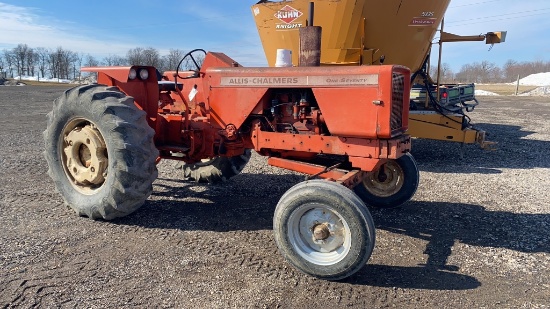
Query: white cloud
column 22, row 25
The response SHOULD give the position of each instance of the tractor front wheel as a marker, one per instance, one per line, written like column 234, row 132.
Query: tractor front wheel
column 391, row 185
column 323, row 229
column 100, row 152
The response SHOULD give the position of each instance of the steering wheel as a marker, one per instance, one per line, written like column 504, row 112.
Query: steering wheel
column 190, row 55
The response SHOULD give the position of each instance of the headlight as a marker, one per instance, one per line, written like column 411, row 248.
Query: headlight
column 133, row 74
column 143, row 74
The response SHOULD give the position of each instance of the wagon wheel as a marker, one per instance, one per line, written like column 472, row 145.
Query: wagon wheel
column 323, row 229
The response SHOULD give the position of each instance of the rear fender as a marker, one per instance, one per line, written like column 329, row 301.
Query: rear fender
column 144, row 91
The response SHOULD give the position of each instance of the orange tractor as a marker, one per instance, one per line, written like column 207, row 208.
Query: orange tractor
column 344, row 125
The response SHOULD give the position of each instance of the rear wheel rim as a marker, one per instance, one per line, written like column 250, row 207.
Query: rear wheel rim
column 319, row 234
column 84, row 155
column 386, row 181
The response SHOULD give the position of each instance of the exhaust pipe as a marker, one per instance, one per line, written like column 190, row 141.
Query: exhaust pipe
column 310, row 42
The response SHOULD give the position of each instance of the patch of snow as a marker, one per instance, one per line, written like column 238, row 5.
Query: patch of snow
column 540, row 91
column 485, row 93
column 538, row 79
column 43, row 79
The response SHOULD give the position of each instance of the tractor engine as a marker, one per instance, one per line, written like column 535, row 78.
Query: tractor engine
column 294, row 111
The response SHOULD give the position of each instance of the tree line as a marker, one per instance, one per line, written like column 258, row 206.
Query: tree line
column 61, row 63
column 65, row 64
column 489, row 72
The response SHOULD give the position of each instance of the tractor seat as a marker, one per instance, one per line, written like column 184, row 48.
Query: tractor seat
column 166, row 85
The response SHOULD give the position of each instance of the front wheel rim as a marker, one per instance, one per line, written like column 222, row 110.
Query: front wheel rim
column 319, row 234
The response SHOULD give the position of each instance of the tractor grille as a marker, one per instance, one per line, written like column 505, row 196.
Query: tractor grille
column 398, row 86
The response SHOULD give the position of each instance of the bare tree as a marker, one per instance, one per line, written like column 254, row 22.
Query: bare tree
column 488, row 72
column 10, row 61
column 2, row 64
column 42, row 56
column 118, row 60
column 144, row 56
column 480, row 72
column 172, row 59
column 91, row 61
column 135, row 56
column 61, row 62
column 151, row 57
column 447, row 74
column 79, row 58
column 114, row 60
column 20, row 53
column 467, row 74
column 31, row 62
column 53, row 65
column 511, row 70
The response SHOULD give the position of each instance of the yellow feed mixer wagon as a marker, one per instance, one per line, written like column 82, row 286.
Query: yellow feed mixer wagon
column 374, row 32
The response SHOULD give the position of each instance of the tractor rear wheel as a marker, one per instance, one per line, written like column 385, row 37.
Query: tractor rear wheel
column 100, row 152
column 217, row 169
column 392, row 185
column 323, row 229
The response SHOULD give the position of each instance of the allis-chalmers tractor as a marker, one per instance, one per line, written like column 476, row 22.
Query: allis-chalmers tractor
column 342, row 126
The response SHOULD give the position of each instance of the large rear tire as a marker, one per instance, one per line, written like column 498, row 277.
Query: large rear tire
column 216, row 170
column 392, row 185
column 324, row 229
column 100, row 152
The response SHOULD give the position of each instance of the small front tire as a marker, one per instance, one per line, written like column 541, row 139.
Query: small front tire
column 323, row 229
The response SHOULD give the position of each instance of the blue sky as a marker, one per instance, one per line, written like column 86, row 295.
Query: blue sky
column 102, row 28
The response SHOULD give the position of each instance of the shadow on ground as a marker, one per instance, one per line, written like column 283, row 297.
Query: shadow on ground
column 443, row 224
column 421, row 277
column 189, row 206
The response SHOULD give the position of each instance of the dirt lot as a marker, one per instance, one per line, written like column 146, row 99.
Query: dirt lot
column 505, row 89
column 475, row 235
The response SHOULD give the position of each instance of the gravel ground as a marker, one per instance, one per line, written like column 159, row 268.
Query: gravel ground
column 475, row 235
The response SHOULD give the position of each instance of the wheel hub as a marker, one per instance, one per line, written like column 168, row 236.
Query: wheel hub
column 85, row 155
column 386, row 181
column 321, row 232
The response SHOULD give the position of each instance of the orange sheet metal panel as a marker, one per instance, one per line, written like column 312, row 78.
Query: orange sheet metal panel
column 353, row 147
column 350, row 98
column 306, row 168
column 233, row 105
column 358, row 111
column 144, row 92
column 347, row 178
column 118, row 73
